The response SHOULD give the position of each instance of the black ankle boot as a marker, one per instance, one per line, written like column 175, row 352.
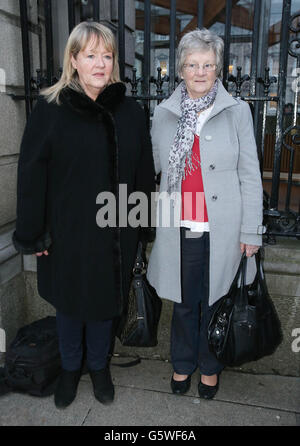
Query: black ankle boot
column 66, row 388
column 103, row 386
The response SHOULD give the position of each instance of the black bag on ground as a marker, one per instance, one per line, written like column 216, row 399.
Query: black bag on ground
column 32, row 361
column 139, row 324
column 245, row 326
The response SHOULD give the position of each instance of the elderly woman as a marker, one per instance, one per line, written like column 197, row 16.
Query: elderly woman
column 84, row 137
column 204, row 147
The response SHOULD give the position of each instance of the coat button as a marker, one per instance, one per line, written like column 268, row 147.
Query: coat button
column 208, row 137
column 214, row 197
column 212, row 166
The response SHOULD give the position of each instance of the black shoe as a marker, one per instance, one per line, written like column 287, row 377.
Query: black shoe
column 66, row 388
column 103, row 387
column 207, row 392
column 180, row 387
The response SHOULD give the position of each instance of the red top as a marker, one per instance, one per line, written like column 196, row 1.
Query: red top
column 192, row 192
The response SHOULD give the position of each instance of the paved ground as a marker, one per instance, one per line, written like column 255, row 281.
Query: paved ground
column 144, row 398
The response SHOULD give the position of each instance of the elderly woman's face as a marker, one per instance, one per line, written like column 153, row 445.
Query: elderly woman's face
column 94, row 66
column 199, row 73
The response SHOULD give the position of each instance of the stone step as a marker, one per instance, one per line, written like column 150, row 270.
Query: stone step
column 283, row 257
column 283, row 284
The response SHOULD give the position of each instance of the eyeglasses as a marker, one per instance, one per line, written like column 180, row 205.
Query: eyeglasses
column 193, row 67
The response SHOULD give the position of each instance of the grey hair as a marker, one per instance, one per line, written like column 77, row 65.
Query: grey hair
column 200, row 40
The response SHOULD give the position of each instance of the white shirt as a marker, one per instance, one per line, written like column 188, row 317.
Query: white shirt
column 196, row 226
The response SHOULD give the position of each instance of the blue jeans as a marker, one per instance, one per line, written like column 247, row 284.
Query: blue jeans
column 70, row 335
column 189, row 345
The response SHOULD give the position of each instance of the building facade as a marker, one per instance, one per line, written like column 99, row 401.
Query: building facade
column 261, row 64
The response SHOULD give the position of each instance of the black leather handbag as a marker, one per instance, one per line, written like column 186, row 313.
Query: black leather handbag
column 138, row 328
column 245, row 326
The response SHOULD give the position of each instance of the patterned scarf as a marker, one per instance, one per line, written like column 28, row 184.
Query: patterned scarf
column 181, row 160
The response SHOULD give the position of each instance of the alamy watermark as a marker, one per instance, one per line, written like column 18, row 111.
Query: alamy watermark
column 2, row 81
column 296, row 342
column 2, row 341
column 134, row 209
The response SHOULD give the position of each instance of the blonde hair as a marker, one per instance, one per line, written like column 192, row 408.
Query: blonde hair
column 77, row 41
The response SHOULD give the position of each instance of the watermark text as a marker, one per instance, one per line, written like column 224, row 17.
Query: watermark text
column 2, row 341
column 296, row 342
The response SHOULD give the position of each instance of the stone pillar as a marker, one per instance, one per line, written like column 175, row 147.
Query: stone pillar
column 13, row 308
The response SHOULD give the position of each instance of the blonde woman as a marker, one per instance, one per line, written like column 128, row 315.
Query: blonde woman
column 84, row 137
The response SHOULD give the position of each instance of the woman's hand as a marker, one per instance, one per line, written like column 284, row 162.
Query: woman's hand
column 39, row 254
column 250, row 249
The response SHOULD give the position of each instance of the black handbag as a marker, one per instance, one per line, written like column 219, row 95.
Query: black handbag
column 139, row 325
column 245, row 326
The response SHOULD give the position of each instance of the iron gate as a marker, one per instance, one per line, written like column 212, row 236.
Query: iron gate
column 283, row 221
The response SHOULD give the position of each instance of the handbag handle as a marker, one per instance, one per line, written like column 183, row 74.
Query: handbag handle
column 242, row 295
column 243, row 270
column 139, row 264
column 259, row 277
column 238, row 273
column 260, row 272
column 242, row 298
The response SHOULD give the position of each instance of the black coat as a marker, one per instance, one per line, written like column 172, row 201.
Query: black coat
column 69, row 154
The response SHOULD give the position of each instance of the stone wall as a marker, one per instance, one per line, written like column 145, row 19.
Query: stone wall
column 13, row 311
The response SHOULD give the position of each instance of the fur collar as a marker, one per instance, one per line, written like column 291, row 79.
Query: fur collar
column 107, row 100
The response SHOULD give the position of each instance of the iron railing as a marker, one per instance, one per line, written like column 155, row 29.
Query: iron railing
column 279, row 222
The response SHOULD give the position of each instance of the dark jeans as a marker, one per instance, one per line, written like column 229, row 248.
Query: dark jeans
column 189, row 346
column 70, row 335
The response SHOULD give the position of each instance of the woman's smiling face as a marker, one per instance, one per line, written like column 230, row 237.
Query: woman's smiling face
column 198, row 80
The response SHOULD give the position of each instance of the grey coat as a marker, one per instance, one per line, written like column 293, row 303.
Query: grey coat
column 233, row 193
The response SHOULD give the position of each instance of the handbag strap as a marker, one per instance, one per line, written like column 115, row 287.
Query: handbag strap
column 243, row 270
column 128, row 364
column 139, row 264
column 238, row 273
column 260, row 276
column 241, row 297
